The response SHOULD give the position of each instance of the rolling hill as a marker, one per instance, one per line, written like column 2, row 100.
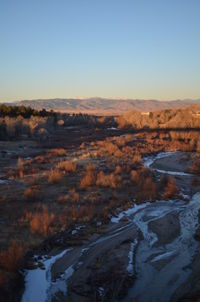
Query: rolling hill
column 103, row 106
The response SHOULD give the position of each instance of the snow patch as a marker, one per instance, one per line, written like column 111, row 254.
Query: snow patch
column 112, row 128
column 101, row 291
column 38, row 281
column 130, row 256
column 129, row 212
column 176, row 173
column 78, row 228
column 60, row 285
column 163, row 256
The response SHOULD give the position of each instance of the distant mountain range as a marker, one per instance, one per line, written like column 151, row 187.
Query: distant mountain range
column 103, row 106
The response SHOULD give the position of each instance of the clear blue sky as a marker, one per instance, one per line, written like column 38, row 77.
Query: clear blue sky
column 109, row 48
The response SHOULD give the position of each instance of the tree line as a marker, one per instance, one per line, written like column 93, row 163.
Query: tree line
column 164, row 119
column 25, row 112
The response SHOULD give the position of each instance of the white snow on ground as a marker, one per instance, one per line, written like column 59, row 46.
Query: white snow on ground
column 60, row 285
column 173, row 172
column 163, row 256
column 84, row 250
column 185, row 195
column 112, row 128
column 129, row 212
column 174, row 273
column 101, row 291
column 78, row 228
column 130, row 256
column 38, row 281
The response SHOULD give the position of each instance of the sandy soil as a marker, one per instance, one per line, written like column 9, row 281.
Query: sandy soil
column 167, row 228
column 178, row 162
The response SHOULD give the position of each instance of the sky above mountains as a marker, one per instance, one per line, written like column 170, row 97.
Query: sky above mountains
column 108, row 48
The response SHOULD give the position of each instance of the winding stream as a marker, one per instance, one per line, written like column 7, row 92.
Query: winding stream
column 158, row 283
column 161, row 265
column 162, row 268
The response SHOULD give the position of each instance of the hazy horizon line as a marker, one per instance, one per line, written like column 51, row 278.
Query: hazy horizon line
column 99, row 97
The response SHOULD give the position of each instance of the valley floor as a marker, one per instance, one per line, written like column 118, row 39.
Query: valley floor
column 99, row 215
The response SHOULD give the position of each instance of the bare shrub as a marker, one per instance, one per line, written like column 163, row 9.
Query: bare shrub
column 55, row 175
column 170, row 189
column 82, row 146
column 195, row 167
column 111, row 148
column 108, row 180
column 118, row 169
column 40, row 221
column 67, row 166
column 136, row 158
column 90, row 176
column 135, row 176
column 88, row 180
column 146, row 188
column 74, row 196
column 20, row 165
